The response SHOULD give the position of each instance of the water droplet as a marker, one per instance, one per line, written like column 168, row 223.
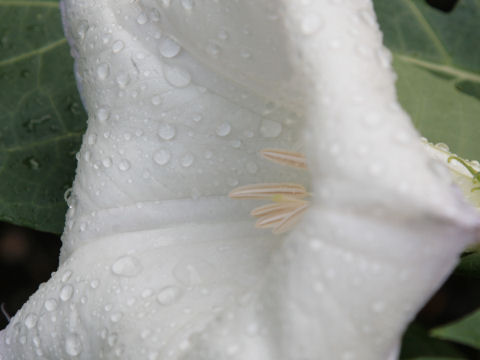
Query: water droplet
column 118, row 46
column 126, row 266
column 102, row 114
column 188, row 4
column 112, row 339
column 115, row 317
column 123, row 80
column 222, row 34
column 66, row 292
column 187, row 160
column 270, row 128
column 213, row 49
column 223, row 129
column 442, row 146
column 311, row 24
column 197, row 118
column 162, row 157
column 176, row 76
column 168, row 47
column 66, row 276
column 245, row 54
column 169, row 295
column 107, row 162
column 166, row 131
column 50, row 304
column 156, row 100
column 82, row 29
column 142, row 19
column 73, row 344
column 103, row 70
column 31, row 321
column 124, row 165
column 94, row 284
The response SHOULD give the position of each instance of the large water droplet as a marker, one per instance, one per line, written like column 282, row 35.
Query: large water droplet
column 73, row 344
column 270, row 128
column 126, row 266
column 66, row 292
column 161, row 157
column 176, row 76
column 166, row 131
column 169, row 295
column 168, row 47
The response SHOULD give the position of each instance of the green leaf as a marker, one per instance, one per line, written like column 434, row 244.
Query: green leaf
column 418, row 344
column 41, row 116
column 436, row 56
column 465, row 331
column 469, row 265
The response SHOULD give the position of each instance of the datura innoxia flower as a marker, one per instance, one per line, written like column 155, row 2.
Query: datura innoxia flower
column 159, row 263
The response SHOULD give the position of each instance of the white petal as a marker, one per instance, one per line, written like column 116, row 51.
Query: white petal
column 158, row 263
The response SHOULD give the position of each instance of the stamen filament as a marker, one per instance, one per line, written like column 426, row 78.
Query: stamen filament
column 285, row 157
column 268, row 191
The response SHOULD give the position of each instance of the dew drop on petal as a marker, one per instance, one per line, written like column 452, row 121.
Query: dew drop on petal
column 161, row 157
column 66, row 292
column 103, row 70
column 270, row 128
column 118, row 46
column 176, row 76
column 223, row 129
column 127, row 266
column 102, row 114
column 188, row 4
column 187, row 160
column 142, row 19
column 31, row 321
column 124, row 165
column 168, row 47
column 66, row 276
column 50, row 304
column 169, row 295
column 166, row 131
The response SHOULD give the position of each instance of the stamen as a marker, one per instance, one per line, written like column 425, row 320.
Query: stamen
column 282, row 207
column 268, row 191
column 290, row 220
column 288, row 205
column 285, row 157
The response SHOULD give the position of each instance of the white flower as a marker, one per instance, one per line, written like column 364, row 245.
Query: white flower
column 158, row 262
